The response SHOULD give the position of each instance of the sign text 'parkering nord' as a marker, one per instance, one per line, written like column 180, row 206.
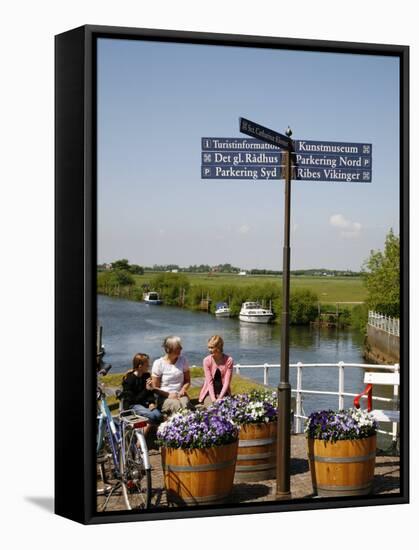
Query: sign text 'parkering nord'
column 253, row 159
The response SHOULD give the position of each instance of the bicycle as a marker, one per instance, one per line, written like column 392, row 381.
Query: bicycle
column 121, row 442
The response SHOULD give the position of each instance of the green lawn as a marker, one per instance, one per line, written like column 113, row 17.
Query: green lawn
column 328, row 289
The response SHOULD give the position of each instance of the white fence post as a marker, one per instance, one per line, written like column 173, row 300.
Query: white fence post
column 396, row 401
column 298, row 402
column 384, row 322
column 341, row 385
column 299, row 392
column 265, row 374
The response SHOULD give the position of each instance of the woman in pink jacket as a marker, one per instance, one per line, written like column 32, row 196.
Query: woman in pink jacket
column 218, row 370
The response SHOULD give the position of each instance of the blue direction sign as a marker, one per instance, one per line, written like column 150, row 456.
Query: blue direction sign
column 235, row 144
column 332, row 147
column 242, row 158
column 253, row 172
column 313, row 160
column 265, row 134
column 246, row 158
column 332, row 174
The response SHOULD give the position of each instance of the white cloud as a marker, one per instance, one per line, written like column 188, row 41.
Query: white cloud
column 337, row 220
column 243, row 229
column 349, row 228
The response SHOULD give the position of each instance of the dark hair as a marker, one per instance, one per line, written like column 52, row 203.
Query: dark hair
column 138, row 360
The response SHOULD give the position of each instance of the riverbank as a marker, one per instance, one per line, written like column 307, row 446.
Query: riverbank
column 310, row 297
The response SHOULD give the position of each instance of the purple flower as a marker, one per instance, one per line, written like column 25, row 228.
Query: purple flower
column 346, row 424
column 256, row 407
column 196, row 430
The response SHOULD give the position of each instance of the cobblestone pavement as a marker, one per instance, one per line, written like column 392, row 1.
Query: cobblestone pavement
column 386, row 480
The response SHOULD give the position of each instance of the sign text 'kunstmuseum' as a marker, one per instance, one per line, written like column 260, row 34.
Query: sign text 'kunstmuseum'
column 254, row 159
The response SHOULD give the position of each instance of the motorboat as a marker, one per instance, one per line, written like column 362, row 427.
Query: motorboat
column 253, row 312
column 222, row 310
column 152, row 298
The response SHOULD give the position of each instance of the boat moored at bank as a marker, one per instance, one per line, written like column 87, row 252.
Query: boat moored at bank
column 222, row 310
column 152, row 298
column 253, row 312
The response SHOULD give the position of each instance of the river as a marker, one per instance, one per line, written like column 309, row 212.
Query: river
column 130, row 327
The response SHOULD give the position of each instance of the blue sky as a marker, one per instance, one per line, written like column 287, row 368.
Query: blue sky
column 155, row 103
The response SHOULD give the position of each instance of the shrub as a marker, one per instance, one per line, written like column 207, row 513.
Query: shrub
column 359, row 317
column 303, row 307
column 170, row 286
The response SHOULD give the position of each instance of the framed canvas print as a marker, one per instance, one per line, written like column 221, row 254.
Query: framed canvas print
column 231, row 274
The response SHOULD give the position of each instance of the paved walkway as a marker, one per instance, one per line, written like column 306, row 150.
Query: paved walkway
column 387, row 474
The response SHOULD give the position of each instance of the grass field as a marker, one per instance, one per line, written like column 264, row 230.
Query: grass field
column 328, row 289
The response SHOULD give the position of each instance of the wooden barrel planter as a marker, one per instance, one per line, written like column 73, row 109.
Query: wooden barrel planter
column 342, row 468
column 256, row 457
column 199, row 476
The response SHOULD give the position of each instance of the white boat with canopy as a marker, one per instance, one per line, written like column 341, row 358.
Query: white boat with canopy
column 152, row 298
column 253, row 312
column 222, row 310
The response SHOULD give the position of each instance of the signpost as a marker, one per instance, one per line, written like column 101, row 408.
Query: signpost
column 271, row 155
column 283, row 444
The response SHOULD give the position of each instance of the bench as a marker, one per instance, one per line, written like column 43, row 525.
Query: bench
column 381, row 379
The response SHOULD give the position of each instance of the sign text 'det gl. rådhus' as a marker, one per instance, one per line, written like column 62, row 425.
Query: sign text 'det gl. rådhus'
column 243, row 158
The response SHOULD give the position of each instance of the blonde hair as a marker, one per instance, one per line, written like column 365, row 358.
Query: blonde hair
column 217, row 342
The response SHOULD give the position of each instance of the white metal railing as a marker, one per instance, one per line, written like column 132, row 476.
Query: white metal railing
column 299, row 392
column 388, row 324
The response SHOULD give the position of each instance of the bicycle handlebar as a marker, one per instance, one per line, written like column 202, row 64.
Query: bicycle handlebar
column 104, row 370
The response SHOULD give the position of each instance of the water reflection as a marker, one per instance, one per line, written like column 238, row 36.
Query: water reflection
column 129, row 327
column 256, row 334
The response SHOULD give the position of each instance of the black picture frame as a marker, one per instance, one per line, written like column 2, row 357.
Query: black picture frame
column 75, row 268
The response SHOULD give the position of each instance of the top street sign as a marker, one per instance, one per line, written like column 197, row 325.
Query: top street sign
column 265, row 134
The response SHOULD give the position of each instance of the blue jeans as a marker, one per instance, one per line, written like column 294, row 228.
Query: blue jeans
column 155, row 416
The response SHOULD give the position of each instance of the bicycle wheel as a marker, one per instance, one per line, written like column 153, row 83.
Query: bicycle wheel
column 110, row 492
column 136, row 479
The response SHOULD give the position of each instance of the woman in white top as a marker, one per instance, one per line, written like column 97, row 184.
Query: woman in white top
column 171, row 377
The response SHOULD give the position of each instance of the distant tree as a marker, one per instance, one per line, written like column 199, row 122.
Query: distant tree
column 381, row 274
column 121, row 264
column 122, row 277
column 136, row 269
column 109, row 282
